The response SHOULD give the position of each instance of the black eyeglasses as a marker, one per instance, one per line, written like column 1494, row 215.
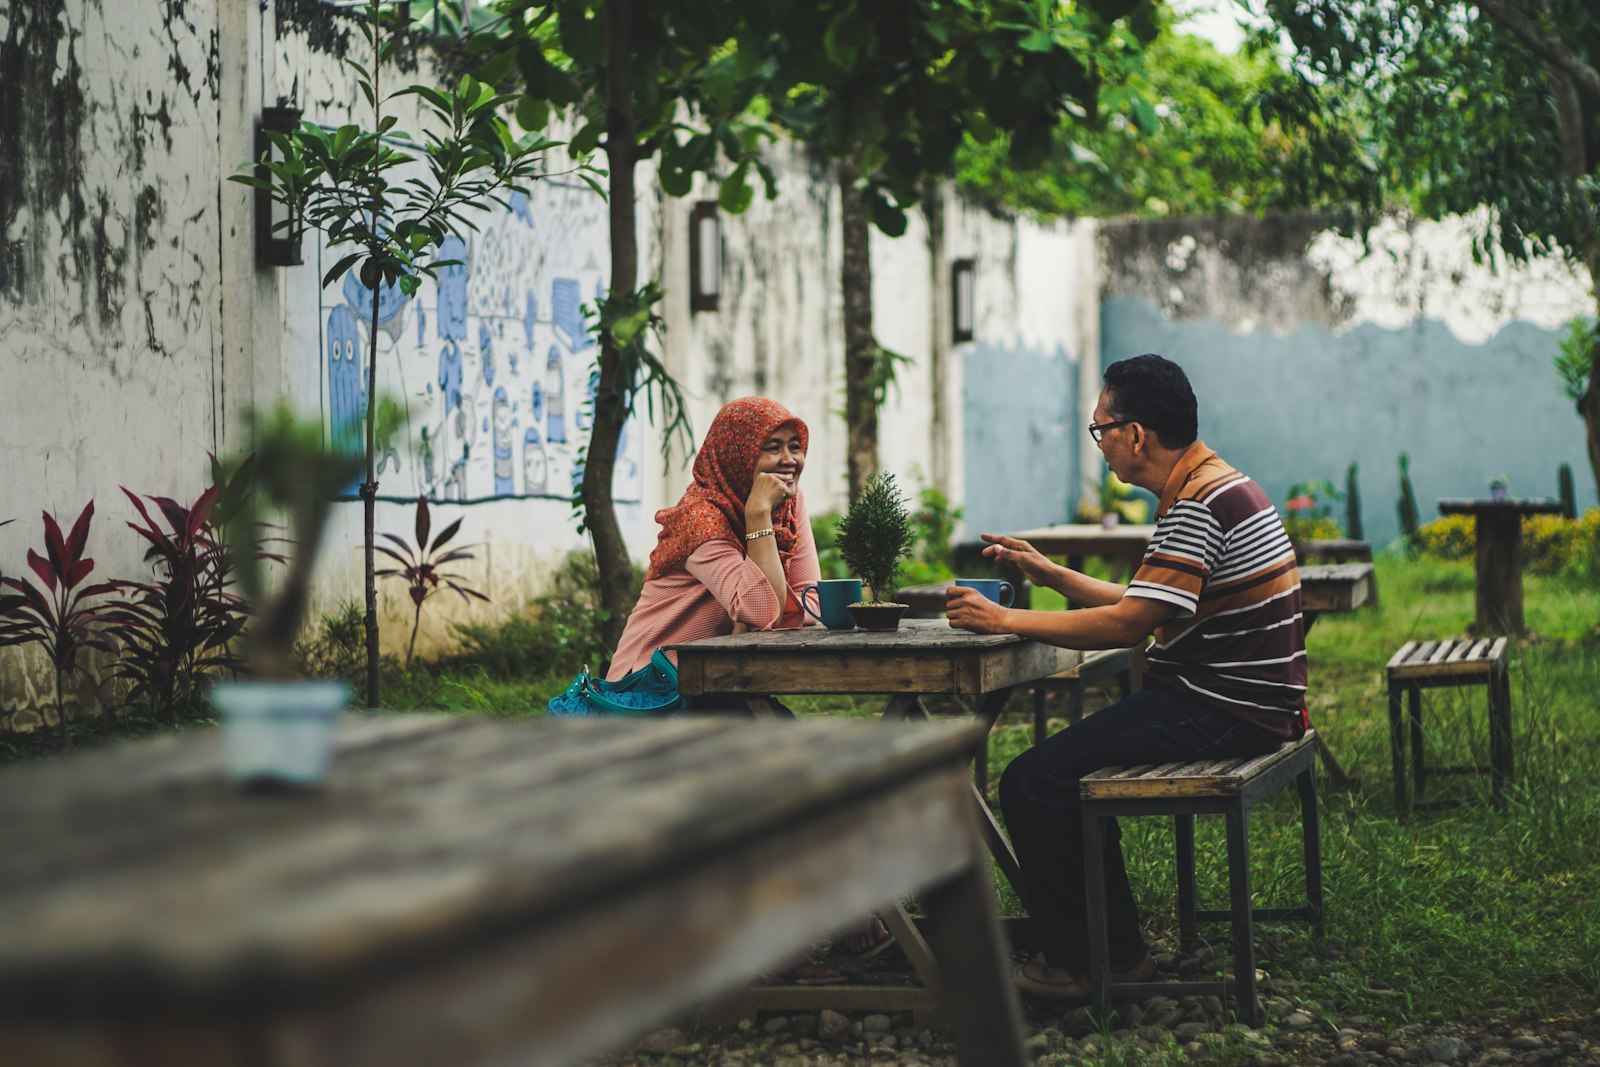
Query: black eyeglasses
column 1096, row 429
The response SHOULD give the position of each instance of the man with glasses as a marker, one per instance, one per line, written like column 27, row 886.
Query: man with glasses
column 1225, row 676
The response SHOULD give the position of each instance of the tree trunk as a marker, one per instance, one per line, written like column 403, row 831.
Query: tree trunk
column 860, row 357
column 369, row 507
column 610, row 410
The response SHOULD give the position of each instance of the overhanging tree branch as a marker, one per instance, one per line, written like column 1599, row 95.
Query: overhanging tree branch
column 1548, row 48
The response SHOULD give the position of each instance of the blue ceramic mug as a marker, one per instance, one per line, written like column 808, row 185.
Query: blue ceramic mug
column 834, row 597
column 991, row 588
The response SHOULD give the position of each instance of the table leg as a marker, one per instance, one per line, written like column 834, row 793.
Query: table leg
column 765, row 707
column 1499, row 590
column 985, row 1017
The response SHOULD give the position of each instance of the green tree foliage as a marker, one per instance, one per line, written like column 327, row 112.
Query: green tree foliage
column 643, row 79
column 1492, row 103
column 890, row 90
column 345, row 183
column 1190, row 131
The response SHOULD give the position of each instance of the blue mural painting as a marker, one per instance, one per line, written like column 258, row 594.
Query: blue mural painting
column 347, row 402
column 507, row 359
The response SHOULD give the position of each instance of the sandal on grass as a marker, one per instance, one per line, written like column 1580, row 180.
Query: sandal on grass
column 865, row 943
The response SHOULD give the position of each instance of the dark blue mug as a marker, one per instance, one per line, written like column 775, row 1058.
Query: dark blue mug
column 991, row 588
column 834, row 597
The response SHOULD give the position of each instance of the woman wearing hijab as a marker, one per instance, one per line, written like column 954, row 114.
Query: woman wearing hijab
column 732, row 556
column 736, row 549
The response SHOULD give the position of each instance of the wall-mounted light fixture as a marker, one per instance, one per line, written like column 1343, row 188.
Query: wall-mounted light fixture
column 961, row 300
column 276, row 246
column 705, row 257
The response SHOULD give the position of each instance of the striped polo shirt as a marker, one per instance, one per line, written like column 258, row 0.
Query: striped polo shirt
column 1220, row 556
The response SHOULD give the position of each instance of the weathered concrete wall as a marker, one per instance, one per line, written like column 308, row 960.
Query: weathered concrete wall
column 136, row 329
column 779, row 331
column 1309, row 352
column 111, row 158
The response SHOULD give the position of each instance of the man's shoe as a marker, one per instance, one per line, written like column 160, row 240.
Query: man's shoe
column 1037, row 978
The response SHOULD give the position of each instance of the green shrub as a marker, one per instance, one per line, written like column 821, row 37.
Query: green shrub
column 1550, row 544
column 560, row 631
column 336, row 647
column 1447, row 538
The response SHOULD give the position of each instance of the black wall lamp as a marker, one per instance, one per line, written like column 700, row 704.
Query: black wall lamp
column 705, row 257
column 276, row 246
column 961, row 300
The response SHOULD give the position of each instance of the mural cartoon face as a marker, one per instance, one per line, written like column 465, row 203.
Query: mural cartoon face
column 346, row 400
column 452, row 281
column 503, row 484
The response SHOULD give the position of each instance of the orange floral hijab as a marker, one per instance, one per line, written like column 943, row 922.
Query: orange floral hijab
column 712, row 508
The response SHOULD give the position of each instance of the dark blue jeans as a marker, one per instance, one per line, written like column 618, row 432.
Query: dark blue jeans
column 1039, row 796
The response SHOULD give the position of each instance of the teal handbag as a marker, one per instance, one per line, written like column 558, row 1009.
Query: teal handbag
column 650, row 690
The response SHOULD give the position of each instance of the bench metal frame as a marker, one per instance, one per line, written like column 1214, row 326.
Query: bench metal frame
column 1203, row 789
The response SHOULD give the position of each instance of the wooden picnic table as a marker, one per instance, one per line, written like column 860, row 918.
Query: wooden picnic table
column 1499, row 574
column 470, row 891
column 923, row 658
column 1123, row 544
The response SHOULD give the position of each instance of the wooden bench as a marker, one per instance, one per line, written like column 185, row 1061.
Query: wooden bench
column 1125, row 665
column 1420, row 665
column 1335, row 550
column 1229, row 787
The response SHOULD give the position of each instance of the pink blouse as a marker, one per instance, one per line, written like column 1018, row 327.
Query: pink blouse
column 722, row 587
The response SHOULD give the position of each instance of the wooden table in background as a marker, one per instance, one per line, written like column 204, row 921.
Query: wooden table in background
column 1499, row 584
column 468, row 891
column 923, row 658
column 1334, row 587
column 1123, row 544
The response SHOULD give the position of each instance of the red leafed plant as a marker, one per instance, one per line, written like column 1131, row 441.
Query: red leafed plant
column 59, row 615
column 420, row 566
column 181, row 627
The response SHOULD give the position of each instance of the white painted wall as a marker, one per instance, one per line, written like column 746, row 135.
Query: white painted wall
column 136, row 329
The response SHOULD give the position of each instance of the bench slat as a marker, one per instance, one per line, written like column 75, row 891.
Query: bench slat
column 1203, row 778
column 1400, row 656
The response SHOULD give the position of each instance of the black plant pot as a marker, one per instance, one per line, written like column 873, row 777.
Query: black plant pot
column 878, row 616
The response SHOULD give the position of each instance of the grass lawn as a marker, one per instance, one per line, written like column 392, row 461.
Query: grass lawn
column 1468, row 914
column 1462, row 913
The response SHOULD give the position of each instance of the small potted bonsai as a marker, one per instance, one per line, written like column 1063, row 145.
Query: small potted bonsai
column 1499, row 487
column 278, row 726
column 873, row 536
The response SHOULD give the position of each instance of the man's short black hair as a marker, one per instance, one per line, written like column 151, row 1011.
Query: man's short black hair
column 1154, row 392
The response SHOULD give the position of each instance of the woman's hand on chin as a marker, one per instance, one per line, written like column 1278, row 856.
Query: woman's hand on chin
column 766, row 493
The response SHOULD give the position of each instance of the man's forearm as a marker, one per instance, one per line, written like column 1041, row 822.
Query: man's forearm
column 1084, row 590
column 1083, row 628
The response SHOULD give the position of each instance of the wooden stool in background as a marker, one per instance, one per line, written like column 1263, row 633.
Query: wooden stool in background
column 1420, row 665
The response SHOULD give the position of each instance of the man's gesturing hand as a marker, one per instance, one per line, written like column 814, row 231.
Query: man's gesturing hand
column 1019, row 554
